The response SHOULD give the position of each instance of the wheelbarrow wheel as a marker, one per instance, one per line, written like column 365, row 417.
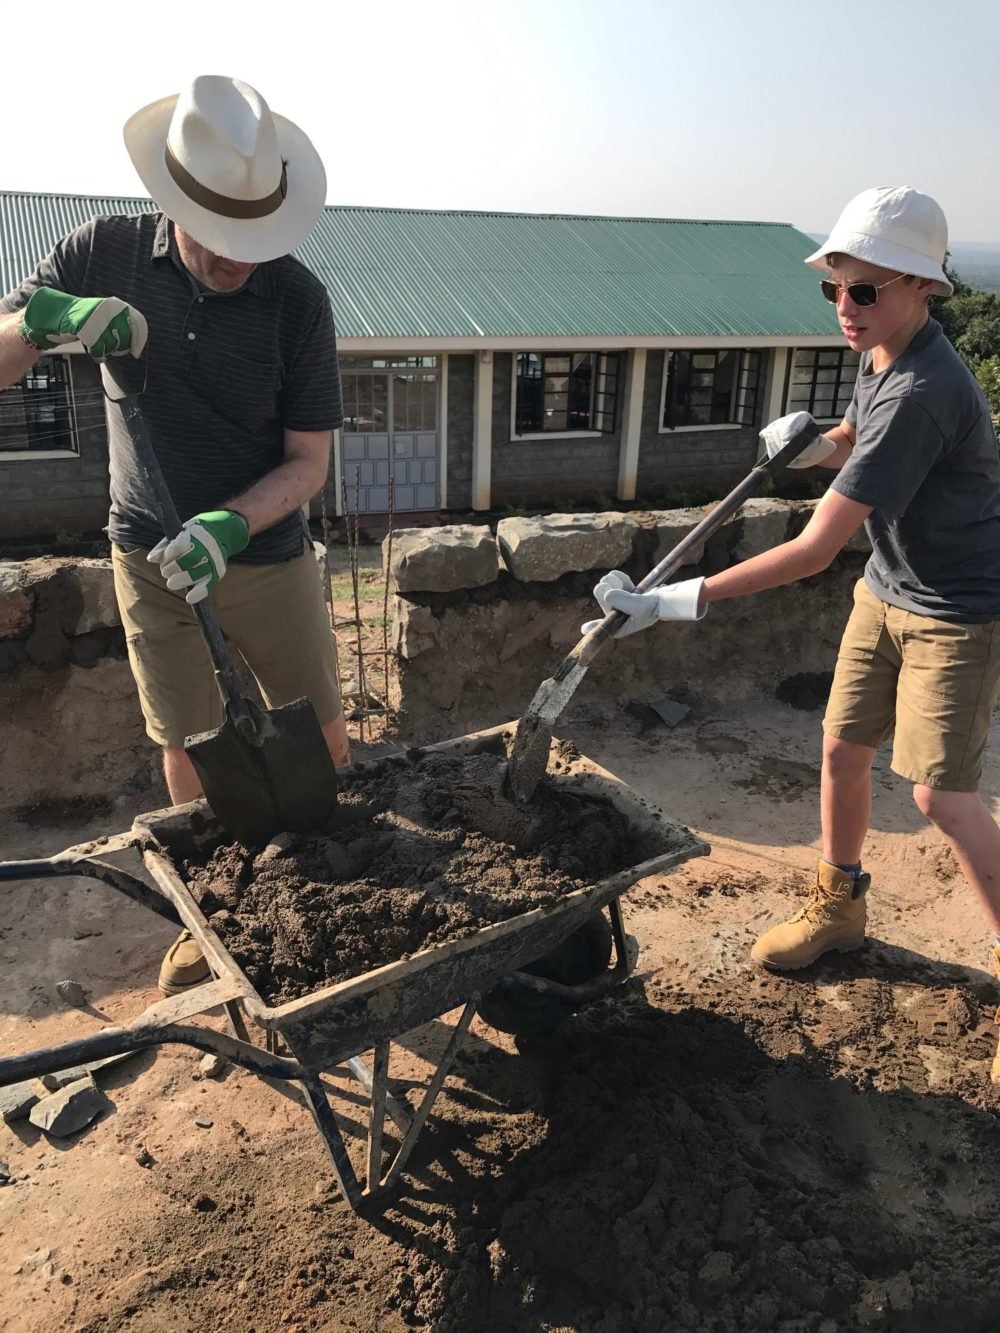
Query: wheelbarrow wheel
column 524, row 1013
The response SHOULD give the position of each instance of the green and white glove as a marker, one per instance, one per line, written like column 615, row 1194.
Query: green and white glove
column 105, row 325
column 196, row 559
column 675, row 601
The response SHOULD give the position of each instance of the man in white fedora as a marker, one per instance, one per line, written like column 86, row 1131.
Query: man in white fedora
column 917, row 463
column 231, row 343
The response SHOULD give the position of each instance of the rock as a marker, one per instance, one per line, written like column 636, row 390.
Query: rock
column 35, row 1260
column 671, row 527
column 69, row 1110
column 212, row 1066
column 4, row 1174
column 62, row 1078
column 538, row 550
column 73, row 993
column 17, row 1100
column 17, row 603
column 763, row 525
column 203, row 1122
column 142, row 1154
column 414, row 628
column 96, row 607
column 462, row 555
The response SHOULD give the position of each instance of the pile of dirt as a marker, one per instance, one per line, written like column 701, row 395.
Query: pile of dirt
column 421, row 853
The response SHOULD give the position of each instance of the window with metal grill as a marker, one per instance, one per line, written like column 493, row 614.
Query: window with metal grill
column 711, row 388
column 821, row 381
column 36, row 413
column 566, row 392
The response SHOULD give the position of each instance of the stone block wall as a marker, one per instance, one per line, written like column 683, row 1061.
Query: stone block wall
column 472, row 656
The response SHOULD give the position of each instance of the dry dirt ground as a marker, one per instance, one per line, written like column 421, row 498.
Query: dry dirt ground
column 709, row 1149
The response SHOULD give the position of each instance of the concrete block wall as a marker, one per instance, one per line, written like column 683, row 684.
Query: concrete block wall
column 461, row 381
column 49, row 497
column 530, row 472
column 473, row 656
column 671, row 460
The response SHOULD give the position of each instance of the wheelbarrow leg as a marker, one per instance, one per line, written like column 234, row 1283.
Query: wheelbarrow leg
column 326, row 1123
column 432, row 1090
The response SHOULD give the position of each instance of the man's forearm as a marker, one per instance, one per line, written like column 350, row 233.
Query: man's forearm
column 797, row 559
column 278, row 493
column 16, row 357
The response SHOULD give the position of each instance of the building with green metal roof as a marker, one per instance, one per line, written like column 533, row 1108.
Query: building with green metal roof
column 499, row 359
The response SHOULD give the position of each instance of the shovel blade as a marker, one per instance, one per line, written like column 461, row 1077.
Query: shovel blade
column 275, row 776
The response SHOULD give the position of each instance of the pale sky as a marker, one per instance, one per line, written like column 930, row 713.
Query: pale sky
column 776, row 110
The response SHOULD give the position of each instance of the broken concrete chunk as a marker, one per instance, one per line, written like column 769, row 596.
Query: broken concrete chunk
column 17, row 1100
column 212, row 1065
column 538, row 550
column 69, row 1110
column 461, row 555
column 72, row 993
column 95, row 605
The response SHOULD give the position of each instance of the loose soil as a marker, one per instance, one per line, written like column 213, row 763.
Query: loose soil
column 423, row 852
column 711, row 1148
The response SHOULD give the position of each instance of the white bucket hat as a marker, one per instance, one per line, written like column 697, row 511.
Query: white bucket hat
column 242, row 181
column 894, row 227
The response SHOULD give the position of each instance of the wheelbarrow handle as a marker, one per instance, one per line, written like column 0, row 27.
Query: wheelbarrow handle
column 67, row 863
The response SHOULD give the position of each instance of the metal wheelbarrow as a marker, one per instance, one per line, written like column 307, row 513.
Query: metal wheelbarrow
column 512, row 968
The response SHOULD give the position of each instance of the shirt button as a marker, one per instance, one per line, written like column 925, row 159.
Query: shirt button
column 191, row 337
column 201, row 300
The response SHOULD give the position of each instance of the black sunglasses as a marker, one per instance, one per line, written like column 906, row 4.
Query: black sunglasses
column 861, row 293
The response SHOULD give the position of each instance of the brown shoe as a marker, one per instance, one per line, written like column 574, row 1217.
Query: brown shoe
column 832, row 917
column 184, row 966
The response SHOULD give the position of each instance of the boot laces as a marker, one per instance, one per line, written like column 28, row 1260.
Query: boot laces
column 818, row 907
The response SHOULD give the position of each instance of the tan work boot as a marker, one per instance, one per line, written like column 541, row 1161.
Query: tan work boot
column 184, row 966
column 995, row 1071
column 832, row 917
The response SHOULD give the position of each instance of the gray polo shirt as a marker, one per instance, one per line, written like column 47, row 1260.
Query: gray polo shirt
column 225, row 374
column 926, row 460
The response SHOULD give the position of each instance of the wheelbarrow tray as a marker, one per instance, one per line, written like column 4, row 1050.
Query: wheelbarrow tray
column 334, row 1023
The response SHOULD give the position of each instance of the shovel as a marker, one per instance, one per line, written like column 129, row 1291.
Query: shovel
column 529, row 755
column 265, row 771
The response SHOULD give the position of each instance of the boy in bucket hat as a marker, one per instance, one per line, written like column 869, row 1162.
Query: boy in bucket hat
column 917, row 463
column 231, row 343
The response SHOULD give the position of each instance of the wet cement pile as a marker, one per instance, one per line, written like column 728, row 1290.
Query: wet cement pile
column 422, row 853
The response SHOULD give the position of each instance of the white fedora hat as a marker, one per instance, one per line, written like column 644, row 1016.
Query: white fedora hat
column 894, row 227
column 242, row 181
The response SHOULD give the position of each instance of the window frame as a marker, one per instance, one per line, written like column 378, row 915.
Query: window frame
column 744, row 365
column 817, row 352
column 72, row 451
column 596, row 412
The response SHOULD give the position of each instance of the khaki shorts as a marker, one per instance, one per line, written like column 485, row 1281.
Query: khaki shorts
column 932, row 682
column 274, row 614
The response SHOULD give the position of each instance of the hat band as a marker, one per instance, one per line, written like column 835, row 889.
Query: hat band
column 222, row 203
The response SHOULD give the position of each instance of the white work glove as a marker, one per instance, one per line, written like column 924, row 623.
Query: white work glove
column 780, row 432
column 676, row 601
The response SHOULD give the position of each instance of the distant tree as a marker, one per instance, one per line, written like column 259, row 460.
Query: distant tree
column 970, row 319
column 987, row 372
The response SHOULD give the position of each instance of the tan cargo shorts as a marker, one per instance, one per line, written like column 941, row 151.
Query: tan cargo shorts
column 274, row 614
column 931, row 682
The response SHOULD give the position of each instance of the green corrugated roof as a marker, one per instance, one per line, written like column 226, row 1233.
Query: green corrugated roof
column 410, row 273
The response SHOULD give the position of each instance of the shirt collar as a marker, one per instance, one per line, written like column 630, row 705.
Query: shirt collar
column 260, row 282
